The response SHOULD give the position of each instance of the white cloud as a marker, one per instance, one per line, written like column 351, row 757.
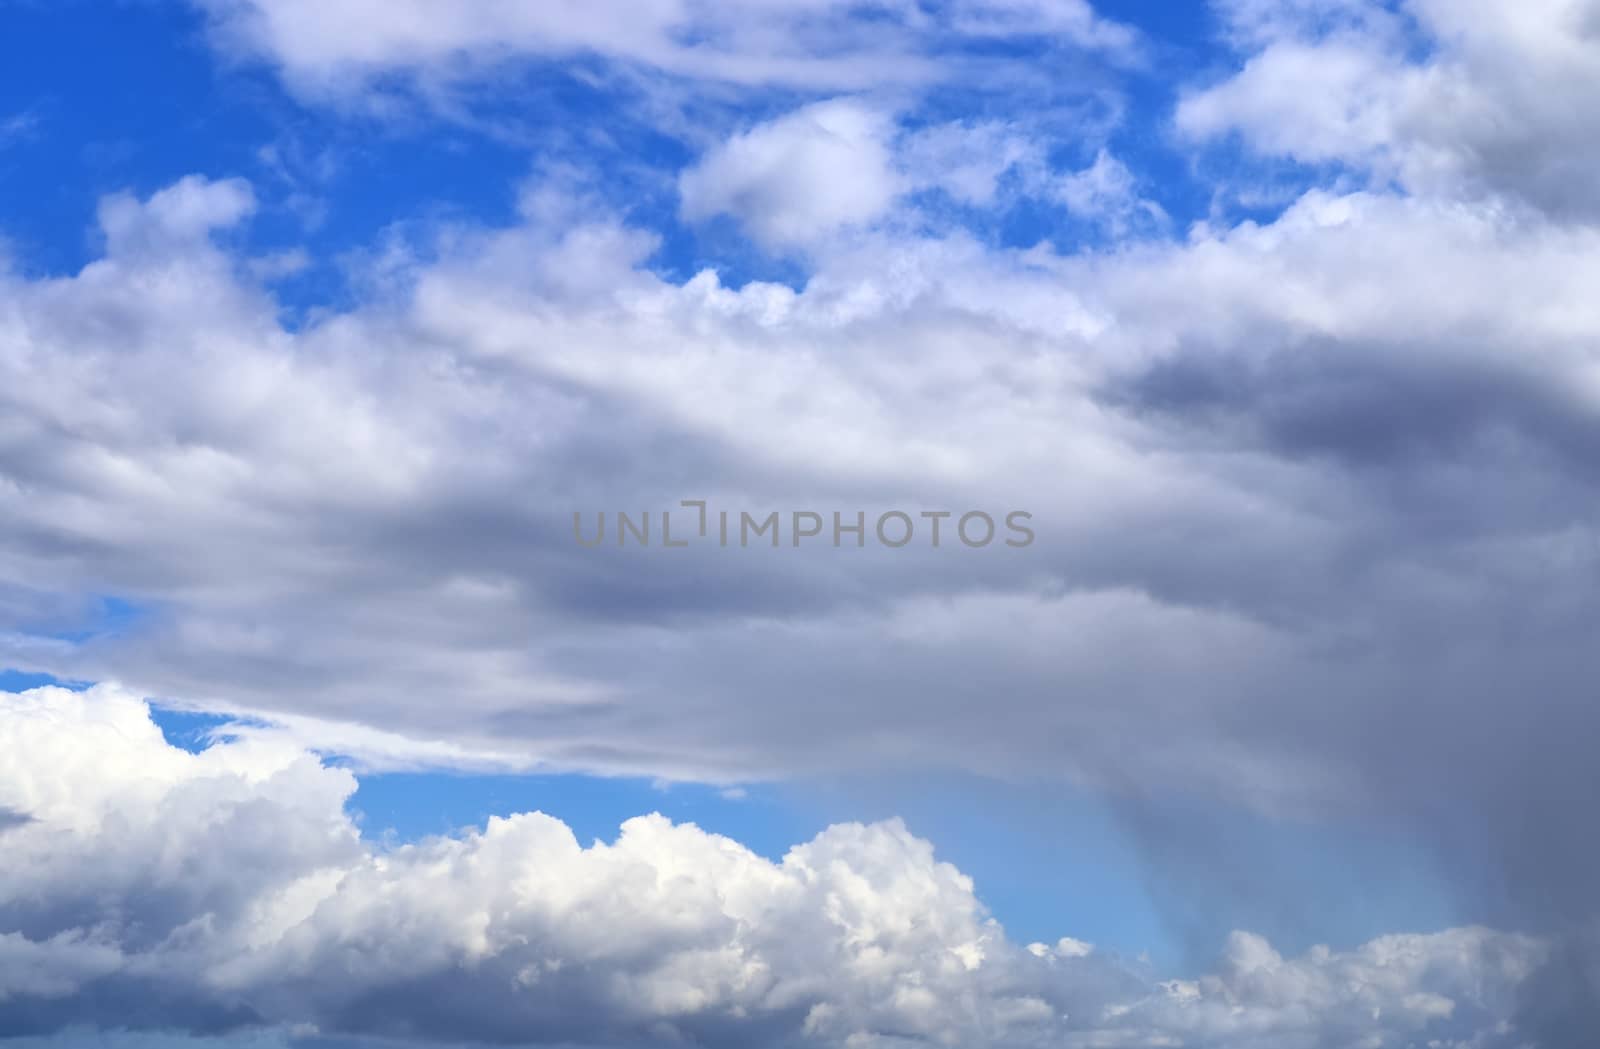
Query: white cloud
column 967, row 160
column 1448, row 97
column 1106, row 193
column 337, row 46
column 832, row 170
column 1314, row 102
column 799, row 178
column 188, row 210
column 232, row 883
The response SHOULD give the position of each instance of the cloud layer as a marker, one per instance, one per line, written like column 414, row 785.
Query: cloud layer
column 152, row 888
column 1313, row 492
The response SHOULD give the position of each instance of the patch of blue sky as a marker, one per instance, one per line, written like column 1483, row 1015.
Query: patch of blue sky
column 190, row 730
column 12, row 680
column 156, row 105
column 103, row 615
column 118, row 97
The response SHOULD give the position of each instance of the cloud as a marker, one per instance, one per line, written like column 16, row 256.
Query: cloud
column 800, row 177
column 18, row 127
column 334, row 48
column 967, row 160
column 229, row 890
column 337, row 525
column 1462, row 98
column 1106, row 192
column 1314, row 492
column 188, row 210
column 341, row 527
column 833, row 170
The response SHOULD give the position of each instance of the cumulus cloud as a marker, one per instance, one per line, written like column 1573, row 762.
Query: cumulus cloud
column 1464, row 98
column 800, row 177
column 229, row 889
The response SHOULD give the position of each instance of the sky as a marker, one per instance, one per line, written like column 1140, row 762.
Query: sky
column 1213, row 387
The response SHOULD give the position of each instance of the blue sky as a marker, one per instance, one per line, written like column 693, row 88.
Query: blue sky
column 320, row 321
column 155, row 103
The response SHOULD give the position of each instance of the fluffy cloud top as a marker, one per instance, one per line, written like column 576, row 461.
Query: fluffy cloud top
column 154, row 888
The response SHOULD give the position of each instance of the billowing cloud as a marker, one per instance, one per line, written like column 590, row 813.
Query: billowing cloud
column 229, row 889
column 1447, row 96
